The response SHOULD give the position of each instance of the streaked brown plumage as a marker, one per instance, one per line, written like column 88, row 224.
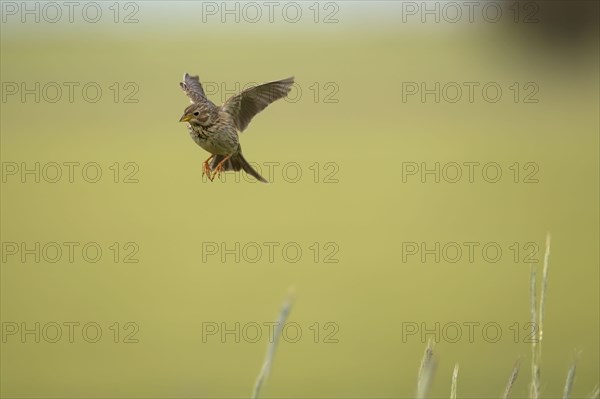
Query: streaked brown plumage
column 215, row 128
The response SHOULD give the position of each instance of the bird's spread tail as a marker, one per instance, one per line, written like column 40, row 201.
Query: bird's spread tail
column 236, row 163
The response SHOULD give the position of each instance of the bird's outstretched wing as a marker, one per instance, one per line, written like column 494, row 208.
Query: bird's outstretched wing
column 193, row 88
column 244, row 106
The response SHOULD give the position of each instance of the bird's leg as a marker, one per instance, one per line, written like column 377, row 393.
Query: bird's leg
column 219, row 167
column 206, row 168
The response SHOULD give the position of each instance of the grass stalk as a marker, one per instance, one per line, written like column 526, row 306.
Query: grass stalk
column 534, row 388
column 537, row 322
column 426, row 372
column 272, row 346
column 454, row 382
column 570, row 379
column 512, row 380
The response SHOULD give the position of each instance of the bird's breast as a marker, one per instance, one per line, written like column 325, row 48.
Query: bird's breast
column 213, row 142
column 200, row 137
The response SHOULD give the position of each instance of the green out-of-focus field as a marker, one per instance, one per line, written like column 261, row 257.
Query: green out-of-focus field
column 348, row 220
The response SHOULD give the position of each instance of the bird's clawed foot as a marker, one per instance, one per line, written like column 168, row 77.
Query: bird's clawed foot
column 206, row 168
column 219, row 168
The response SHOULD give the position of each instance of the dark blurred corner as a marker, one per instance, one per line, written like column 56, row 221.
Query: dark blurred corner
column 555, row 28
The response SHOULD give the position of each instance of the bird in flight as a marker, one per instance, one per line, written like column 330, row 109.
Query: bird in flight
column 215, row 128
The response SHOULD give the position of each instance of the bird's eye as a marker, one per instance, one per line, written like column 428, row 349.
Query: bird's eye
column 196, row 113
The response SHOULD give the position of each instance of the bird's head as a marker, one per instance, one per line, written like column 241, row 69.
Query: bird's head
column 197, row 115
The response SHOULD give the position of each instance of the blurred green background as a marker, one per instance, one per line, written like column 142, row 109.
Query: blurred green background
column 368, row 212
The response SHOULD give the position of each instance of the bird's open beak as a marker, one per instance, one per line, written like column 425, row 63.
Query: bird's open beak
column 185, row 118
